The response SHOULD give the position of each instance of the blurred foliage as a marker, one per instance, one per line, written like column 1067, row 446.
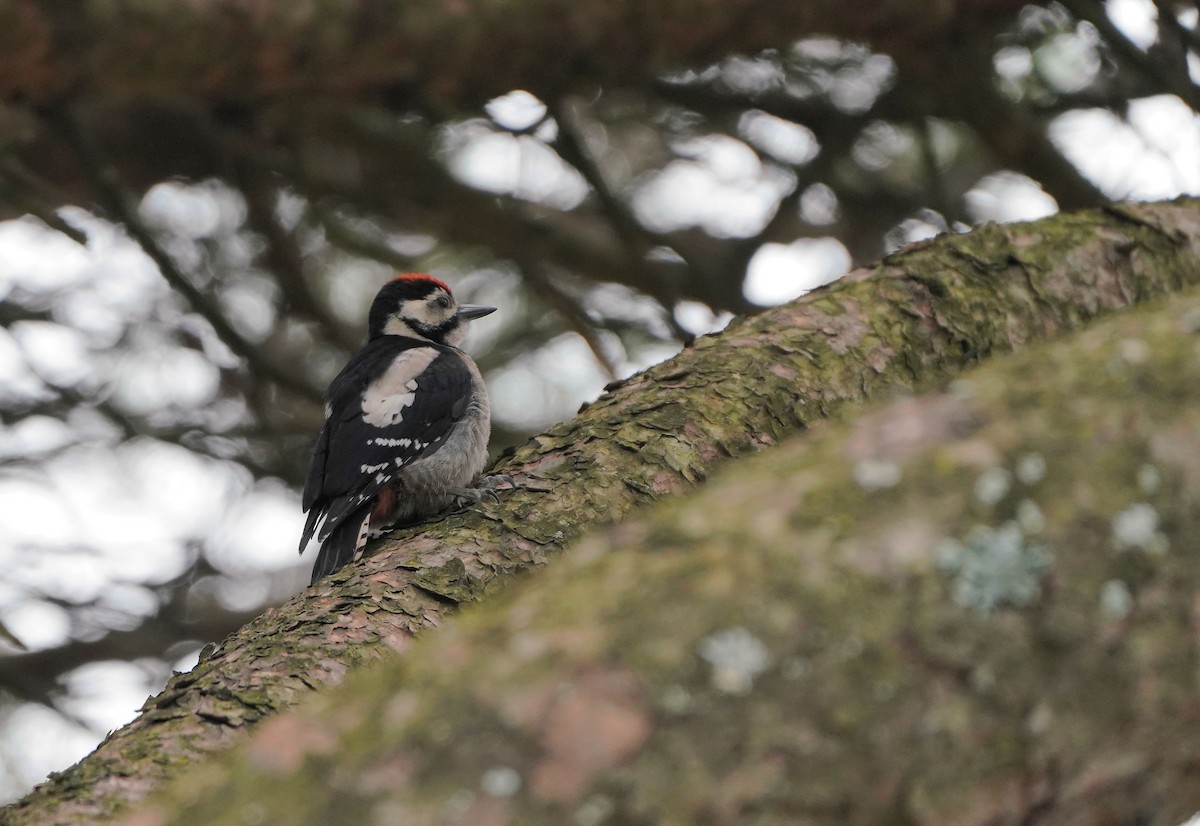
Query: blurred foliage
column 170, row 318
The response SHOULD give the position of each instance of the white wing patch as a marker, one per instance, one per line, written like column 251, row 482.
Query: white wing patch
column 386, row 398
column 384, row 442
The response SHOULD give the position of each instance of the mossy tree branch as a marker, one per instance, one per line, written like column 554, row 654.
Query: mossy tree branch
column 975, row 606
column 918, row 316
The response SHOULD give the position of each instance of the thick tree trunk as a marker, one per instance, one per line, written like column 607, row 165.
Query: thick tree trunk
column 918, row 316
column 977, row 606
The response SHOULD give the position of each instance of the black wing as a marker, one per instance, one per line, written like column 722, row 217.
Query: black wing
column 395, row 402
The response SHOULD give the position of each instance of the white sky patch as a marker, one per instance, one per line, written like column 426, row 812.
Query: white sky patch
column 250, row 304
column 56, row 353
column 16, row 379
column 42, row 573
column 33, row 436
column 517, row 110
column 699, row 318
column 1068, row 62
column 181, row 487
column 515, row 165
column 166, row 376
column 1009, row 196
column 1155, row 155
column 106, row 694
column 37, row 624
column 721, row 187
column 781, row 272
column 193, row 210
column 259, row 532
column 819, row 205
column 32, row 513
column 784, row 140
column 37, row 741
column 523, row 395
column 135, row 509
column 37, row 258
column 1138, row 19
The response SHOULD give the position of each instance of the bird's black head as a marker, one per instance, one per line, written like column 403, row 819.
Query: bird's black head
column 421, row 306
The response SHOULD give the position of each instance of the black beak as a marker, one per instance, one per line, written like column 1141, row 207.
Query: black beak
column 466, row 312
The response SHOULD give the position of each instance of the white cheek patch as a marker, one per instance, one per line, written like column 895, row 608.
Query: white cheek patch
column 419, row 311
column 386, row 398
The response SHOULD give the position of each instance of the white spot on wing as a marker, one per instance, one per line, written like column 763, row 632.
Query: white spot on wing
column 384, row 442
column 386, row 398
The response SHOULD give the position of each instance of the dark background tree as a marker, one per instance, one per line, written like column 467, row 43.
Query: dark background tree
column 333, row 143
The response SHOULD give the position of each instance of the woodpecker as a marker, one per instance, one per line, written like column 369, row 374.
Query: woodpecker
column 407, row 423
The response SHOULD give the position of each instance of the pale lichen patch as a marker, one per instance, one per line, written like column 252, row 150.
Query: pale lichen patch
column 737, row 657
column 876, row 474
column 1115, row 599
column 996, row 567
column 500, row 781
column 1031, row 468
column 1148, row 479
column 992, row 485
column 1136, row 528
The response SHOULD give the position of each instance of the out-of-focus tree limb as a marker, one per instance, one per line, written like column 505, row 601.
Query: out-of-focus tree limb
column 918, row 316
column 1173, row 79
column 122, row 207
column 155, row 111
column 36, row 675
column 26, row 193
column 241, row 53
column 941, row 612
column 283, row 254
column 959, row 82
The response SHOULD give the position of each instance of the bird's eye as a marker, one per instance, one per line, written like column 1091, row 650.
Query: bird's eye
column 443, row 302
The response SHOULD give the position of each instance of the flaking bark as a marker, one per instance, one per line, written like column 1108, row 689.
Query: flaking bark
column 916, row 317
column 976, row 606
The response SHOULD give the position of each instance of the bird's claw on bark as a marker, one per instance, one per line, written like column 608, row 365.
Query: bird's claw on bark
column 487, row 486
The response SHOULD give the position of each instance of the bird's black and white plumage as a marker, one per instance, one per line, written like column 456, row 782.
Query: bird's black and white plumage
column 406, row 423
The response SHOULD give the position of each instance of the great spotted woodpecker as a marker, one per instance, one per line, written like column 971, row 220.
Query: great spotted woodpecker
column 406, row 424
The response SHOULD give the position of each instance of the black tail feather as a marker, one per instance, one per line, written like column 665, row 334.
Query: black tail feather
column 310, row 526
column 341, row 546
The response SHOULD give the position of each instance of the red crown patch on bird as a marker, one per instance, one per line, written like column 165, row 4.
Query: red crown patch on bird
column 420, row 276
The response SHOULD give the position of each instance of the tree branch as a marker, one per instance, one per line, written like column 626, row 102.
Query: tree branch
column 283, row 254
column 1174, row 81
column 240, row 53
column 844, row 629
column 119, row 203
column 919, row 316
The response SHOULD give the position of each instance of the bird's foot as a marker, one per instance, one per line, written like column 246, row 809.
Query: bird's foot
column 488, row 486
